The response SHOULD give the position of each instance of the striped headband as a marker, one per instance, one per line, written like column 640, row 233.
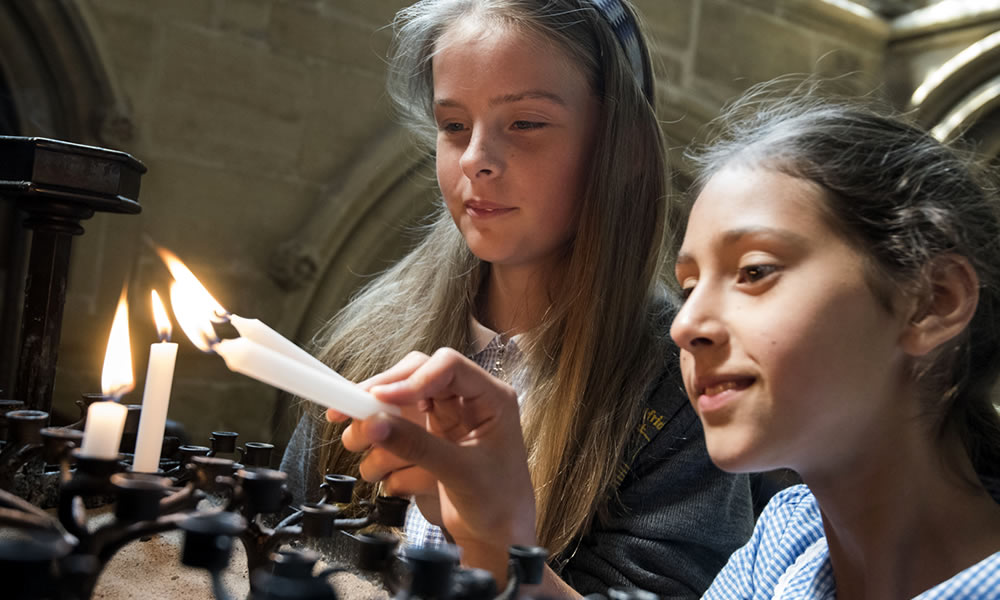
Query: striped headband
column 627, row 32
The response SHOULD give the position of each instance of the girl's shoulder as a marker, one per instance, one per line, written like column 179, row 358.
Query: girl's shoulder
column 791, row 506
column 789, row 524
column 980, row 581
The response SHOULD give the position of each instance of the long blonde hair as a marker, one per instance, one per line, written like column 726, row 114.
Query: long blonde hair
column 590, row 363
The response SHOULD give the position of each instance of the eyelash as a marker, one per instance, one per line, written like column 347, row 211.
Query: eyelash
column 527, row 125
column 745, row 275
column 516, row 125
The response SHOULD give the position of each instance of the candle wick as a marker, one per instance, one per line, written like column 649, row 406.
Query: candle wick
column 223, row 316
column 210, row 341
column 164, row 336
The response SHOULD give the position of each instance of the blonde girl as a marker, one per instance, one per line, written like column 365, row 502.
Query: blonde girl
column 543, row 267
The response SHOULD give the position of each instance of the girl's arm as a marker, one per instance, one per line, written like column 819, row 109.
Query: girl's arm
column 476, row 452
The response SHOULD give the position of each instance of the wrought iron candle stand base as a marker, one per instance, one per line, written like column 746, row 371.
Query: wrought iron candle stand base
column 213, row 501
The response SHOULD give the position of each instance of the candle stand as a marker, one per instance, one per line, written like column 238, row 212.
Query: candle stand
column 214, row 501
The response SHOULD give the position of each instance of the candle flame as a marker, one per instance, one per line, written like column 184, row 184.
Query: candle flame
column 116, row 378
column 194, row 314
column 190, row 285
column 163, row 327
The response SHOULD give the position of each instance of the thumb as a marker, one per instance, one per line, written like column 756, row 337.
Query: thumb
column 413, row 444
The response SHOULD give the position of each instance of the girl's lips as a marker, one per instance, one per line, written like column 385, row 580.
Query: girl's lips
column 718, row 396
column 482, row 211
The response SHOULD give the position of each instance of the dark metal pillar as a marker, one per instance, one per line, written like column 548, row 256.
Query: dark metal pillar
column 58, row 184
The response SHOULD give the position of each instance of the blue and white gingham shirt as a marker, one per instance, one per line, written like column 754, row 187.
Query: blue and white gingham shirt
column 496, row 356
column 787, row 558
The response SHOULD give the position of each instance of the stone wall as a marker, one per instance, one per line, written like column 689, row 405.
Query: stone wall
column 277, row 173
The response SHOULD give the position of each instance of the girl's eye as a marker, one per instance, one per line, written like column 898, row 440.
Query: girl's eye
column 527, row 125
column 453, row 127
column 687, row 286
column 754, row 273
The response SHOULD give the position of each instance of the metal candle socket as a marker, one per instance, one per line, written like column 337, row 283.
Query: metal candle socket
column 255, row 454
column 208, row 539
column 264, row 489
column 5, row 407
column 223, row 442
column 24, row 442
column 138, row 496
column 292, row 577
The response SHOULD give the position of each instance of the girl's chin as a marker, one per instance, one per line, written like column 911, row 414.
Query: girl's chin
column 735, row 457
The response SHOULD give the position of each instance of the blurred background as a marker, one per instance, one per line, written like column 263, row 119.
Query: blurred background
column 277, row 173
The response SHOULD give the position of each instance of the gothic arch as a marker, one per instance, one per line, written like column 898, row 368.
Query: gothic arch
column 53, row 83
column 962, row 97
column 56, row 76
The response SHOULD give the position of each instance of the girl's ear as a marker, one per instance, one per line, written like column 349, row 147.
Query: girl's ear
column 947, row 306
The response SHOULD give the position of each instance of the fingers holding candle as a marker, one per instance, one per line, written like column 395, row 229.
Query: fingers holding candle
column 458, row 395
column 477, row 451
column 486, row 501
column 397, row 372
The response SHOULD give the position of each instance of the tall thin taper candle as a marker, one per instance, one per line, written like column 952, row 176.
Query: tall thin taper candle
column 156, row 394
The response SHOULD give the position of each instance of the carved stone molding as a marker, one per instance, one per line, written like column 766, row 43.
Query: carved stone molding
column 356, row 230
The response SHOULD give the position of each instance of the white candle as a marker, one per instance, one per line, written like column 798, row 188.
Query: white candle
column 155, row 400
column 252, row 359
column 156, row 394
column 102, row 434
column 257, row 331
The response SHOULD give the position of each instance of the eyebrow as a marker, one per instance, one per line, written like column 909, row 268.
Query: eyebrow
column 510, row 99
column 734, row 236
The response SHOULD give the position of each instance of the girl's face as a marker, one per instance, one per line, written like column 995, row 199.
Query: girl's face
column 516, row 124
column 788, row 357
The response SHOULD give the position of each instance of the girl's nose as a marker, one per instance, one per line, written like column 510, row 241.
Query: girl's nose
column 698, row 324
column 481, row 157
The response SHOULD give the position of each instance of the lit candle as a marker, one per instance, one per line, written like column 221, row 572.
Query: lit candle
column 156, row 394
column 103, row 432
column 252, row 329
column 243, row 355
column 257, row 331
column 102, row 435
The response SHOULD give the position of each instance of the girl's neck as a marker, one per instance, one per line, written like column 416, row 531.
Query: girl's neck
column 514, row 299
column 902, row 519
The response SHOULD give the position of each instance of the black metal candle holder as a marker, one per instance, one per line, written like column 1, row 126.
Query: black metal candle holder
column 6, row 406
column 214, row 501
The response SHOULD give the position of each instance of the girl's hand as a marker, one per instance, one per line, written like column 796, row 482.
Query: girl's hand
column 399, row 477
column 471, row 443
